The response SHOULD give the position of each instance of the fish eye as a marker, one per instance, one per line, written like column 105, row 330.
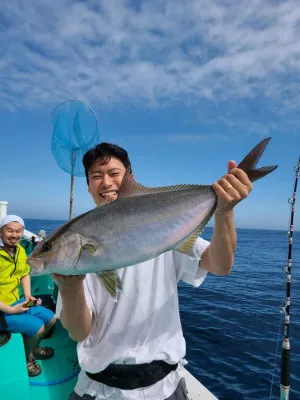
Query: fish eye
column 46, row 247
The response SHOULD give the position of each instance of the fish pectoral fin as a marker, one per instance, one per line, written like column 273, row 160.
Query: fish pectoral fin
column 88, row 243
column 90, row 248
column 111, row 281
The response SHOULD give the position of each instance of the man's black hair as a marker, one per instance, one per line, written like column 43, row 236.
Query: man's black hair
column 103, row 152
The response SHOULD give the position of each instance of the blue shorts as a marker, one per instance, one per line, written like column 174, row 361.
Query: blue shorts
column 29, row 322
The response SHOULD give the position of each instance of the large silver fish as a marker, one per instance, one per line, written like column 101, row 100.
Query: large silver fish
column 141, row 224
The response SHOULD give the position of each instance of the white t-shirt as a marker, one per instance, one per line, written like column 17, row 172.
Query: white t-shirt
column 142, row 326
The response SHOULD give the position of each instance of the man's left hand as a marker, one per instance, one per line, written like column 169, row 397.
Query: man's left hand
column 231, row 188
column 29, row 298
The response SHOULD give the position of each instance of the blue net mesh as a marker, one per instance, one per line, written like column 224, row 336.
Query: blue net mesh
column 75, row 130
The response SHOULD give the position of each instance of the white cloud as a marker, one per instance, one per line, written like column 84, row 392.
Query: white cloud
column 155, row 52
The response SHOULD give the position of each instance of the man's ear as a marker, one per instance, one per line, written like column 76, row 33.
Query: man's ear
column 131, row 176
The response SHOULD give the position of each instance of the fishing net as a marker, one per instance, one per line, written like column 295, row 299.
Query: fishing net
column 75, row 130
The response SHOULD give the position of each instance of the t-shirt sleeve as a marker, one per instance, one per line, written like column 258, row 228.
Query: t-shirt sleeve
column 187, row 267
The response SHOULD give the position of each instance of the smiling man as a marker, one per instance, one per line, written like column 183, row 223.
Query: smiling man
column 104, row 176
column 35, row 322
column 134, row 348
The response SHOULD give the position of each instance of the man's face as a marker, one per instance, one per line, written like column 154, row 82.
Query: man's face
column 105, row 180
column 12, row 233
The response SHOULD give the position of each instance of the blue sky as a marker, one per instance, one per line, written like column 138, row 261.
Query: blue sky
column 183, row 86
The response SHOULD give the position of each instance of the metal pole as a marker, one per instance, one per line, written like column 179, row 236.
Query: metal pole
column 71, row 197
column 72, row 184
column 286, row 347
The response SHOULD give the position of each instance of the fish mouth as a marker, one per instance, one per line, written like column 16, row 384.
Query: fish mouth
column 35, row 271
column 36, row 266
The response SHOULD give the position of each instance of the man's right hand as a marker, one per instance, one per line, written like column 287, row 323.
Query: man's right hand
column 18, row 308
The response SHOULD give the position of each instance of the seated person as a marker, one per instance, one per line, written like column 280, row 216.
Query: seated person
column 33, row 322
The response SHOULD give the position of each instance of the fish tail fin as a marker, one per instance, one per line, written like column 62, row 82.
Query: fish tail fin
column 249, row 163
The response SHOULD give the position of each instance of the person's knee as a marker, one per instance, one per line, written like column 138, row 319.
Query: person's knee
column 51, row 323
column 35, row 335
column 41, row 331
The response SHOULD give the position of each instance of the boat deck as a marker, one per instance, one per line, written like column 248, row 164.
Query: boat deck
column 196, row 390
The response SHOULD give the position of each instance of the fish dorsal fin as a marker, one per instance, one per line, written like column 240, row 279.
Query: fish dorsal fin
column 131, row 188
column 186, row 247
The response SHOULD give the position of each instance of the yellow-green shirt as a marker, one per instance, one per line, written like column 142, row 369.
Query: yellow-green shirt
column 12, row 270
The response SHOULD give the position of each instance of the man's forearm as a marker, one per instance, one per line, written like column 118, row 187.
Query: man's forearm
column 26, row 286
column 218, row 258
column 4, row 307
column 75, row 315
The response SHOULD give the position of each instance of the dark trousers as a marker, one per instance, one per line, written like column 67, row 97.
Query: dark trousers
column 179, row 394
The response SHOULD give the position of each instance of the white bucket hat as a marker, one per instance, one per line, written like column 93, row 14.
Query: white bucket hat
column 11, row 218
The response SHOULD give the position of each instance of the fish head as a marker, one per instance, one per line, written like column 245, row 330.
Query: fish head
column 61, row 255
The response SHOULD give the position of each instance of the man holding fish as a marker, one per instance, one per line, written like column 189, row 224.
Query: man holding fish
column 118, row 266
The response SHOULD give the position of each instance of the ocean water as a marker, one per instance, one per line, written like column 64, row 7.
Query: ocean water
column 233, row 325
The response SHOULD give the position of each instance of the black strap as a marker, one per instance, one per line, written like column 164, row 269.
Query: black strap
column 133, row 376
